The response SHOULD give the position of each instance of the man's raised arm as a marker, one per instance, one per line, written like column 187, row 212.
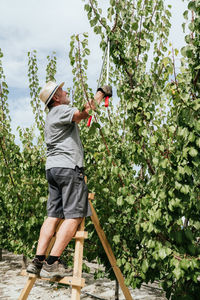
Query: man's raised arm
column 102, row 92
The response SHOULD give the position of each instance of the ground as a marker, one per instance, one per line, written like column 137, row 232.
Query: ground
column 11, row 284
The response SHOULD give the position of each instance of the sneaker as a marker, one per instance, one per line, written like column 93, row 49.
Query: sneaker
column 57, row 269
column 35, row 267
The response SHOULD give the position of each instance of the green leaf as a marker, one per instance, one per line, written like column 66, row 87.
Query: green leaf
column 185, row 14
column 165, row 61
column 87, row 51
column 85, row 34
column 193, row 152
column 116, row 239
column 198, row 142
column 185, row 189
column 145, row 265
column 135, row 26
column 191, row 5
column 120, row 201
column 178, row 273
column 189, row 234
column 130, row 199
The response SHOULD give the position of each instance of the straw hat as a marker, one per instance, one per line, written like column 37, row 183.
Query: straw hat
column 48, row 91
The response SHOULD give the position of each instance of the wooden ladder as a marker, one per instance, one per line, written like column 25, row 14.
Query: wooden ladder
column 76, row 281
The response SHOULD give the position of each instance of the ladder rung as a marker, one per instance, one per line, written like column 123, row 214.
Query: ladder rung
column 91, row 196
column 81, row 235
column 65, row 280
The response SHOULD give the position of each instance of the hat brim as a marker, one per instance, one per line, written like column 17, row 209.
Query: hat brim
column 51, row 96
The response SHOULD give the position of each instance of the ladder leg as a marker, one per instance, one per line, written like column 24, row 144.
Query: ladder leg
column 76, row 293
column 25, row 292
column 109, row 253
column 78, row 260
column 31, row 280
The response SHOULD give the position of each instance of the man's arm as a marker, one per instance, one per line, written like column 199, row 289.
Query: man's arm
column 82, row 115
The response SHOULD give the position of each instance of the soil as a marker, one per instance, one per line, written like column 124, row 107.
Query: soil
column 12, row 283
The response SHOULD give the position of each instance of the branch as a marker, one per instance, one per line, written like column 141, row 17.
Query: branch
column 154, row 10
column 150, row 166
column 155, row 83
column 96, row 13
column 139, row 42
column 196, row 78
column 148, row 161
column 174, row 67
column 123, row 63
column 140, row 36
column 1, row 95
column 80, row 71
column 116, row 20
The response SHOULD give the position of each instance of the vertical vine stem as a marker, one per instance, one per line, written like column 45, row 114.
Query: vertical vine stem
column 87, row 97
column 80, row 71
column 173, row 57
column 34, row 91
column 140, row 31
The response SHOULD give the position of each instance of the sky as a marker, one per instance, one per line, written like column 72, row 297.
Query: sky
column 46, row 26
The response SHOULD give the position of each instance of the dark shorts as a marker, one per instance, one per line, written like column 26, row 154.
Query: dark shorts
column 68, row 194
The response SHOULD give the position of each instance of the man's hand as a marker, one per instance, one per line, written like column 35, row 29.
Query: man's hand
column 90, row 105
column 84, row 114
column 106, row 90
column 102, row 92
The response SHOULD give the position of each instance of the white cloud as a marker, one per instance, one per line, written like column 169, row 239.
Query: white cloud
column 41, row 25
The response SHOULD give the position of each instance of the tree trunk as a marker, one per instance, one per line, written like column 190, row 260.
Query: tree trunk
column 186, row 221
column 24, row 262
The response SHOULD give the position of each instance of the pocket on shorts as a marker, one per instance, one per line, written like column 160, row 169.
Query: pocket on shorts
column 81, row 194
column 62, row 175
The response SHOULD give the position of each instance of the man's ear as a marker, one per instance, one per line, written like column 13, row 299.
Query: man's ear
column 55, row 98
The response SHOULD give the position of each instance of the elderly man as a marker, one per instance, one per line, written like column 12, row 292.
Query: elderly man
column 68, row 193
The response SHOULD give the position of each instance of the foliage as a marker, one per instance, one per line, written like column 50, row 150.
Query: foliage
column 23, row 186
column 141, row 153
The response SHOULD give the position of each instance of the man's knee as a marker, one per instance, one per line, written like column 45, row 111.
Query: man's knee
column 50, row 224
column 79, row 220
column 53, row 220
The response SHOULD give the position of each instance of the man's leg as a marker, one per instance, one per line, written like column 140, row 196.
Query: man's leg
column 64, row 235
column 53, row 267
column 47, row 231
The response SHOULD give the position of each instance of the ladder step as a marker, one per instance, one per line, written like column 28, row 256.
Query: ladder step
column 81, row 235
column 80, row 282
column 91, row 196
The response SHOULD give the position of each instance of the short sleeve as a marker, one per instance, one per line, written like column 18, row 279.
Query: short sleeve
column 65, row 114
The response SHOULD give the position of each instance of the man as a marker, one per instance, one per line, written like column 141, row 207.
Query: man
column 68, row 194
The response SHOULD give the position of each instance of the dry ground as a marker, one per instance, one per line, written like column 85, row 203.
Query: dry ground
column 11, row 284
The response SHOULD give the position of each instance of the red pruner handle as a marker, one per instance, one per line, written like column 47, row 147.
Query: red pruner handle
column 89, row 121
column 106, row 101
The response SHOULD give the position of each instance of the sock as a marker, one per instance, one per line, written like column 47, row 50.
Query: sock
column 51, row 259
column 40, row 257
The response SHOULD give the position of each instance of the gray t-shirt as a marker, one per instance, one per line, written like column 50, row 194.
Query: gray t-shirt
column 64, row 147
